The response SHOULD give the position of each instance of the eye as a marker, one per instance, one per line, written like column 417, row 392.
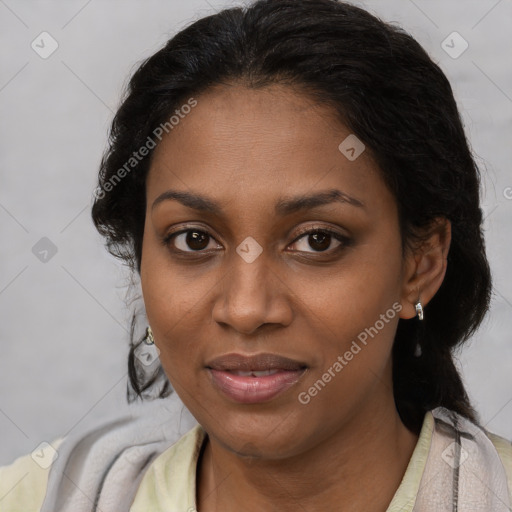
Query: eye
column 190, row 240
column 320, row 240
column 317, row 240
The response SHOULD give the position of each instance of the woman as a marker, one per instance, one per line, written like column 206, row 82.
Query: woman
column 293, row 185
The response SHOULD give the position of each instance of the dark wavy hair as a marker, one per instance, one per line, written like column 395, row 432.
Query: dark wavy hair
column 386, row 90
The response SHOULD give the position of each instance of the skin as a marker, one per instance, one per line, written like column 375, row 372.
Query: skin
column 346, row 449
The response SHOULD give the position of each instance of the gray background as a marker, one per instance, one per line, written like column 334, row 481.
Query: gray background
column 63, row 328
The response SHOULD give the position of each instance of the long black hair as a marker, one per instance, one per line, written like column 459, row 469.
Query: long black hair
column 386, row 90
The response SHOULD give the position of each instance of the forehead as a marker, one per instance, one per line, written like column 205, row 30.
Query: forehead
column 252, row 145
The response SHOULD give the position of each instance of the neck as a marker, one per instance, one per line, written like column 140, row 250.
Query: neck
column 359, row 467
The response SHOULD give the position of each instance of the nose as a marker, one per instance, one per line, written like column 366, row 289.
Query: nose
column 252, row 295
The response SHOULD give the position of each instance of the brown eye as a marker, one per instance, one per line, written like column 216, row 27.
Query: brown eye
column 320, row 240
column 190, row 240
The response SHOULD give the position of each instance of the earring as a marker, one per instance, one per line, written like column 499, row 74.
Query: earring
column 419, row 313
column 149, row 340
column 419, row 310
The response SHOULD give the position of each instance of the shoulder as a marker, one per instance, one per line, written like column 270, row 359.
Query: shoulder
column 489, row 468
column 169, row 483
column 504, row 448
column 105, row 462
column 23, row 483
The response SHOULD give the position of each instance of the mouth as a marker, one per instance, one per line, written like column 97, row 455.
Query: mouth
column 254, row 379
column 254, row 373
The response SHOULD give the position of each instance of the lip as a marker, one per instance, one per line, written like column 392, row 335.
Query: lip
column 286, row 372
column 255, row 362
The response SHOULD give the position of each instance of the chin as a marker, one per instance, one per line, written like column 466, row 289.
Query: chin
column 259, row 435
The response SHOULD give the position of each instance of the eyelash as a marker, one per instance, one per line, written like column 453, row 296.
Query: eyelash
column 344, row 240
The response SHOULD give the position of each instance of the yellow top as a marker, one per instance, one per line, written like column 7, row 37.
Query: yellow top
column 169, row 485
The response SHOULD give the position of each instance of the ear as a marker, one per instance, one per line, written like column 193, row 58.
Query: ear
column 425, row 267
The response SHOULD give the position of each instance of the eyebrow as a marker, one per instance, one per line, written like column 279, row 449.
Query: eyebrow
column 284, row 206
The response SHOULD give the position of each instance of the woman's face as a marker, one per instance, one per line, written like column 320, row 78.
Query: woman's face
column 257, row 170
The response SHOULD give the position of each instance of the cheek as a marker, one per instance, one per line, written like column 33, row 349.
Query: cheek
column 353, row 297
column 168, row 290
column 356, row 312
column 175, row 300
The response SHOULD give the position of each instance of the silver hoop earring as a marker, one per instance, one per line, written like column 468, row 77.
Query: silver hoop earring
column 148, row 339
column 419, row 310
